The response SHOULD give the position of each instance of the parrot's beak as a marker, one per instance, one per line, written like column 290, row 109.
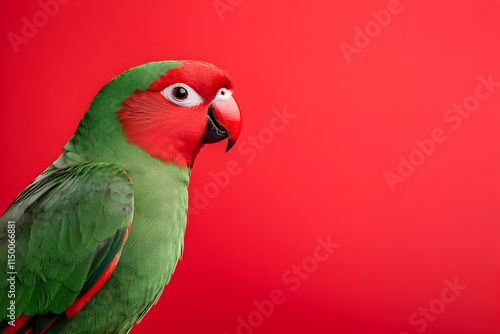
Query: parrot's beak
column 224, row 121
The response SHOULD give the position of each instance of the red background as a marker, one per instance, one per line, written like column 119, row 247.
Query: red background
column 322, row 175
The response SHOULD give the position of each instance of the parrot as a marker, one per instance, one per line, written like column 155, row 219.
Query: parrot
column 90, row 244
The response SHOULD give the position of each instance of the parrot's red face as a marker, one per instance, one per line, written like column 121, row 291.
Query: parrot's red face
column 188, row 106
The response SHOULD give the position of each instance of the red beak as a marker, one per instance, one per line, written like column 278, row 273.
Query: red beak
column 224, row 121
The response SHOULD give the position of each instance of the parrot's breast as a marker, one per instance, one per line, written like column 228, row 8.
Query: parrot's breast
column 149, row 257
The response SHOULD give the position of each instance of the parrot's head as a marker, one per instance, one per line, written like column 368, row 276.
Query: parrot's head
column 189, row 105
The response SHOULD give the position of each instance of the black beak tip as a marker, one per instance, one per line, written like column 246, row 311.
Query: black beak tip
column 230, row 144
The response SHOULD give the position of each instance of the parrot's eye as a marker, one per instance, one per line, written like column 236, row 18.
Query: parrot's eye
column 182, row 95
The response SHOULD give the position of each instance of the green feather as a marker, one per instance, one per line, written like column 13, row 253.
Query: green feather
column 52, row 256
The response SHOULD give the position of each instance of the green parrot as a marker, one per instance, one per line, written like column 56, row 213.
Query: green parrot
column 89, row 246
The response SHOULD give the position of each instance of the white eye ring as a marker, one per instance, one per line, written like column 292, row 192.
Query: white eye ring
column 223, row 94
column 191, row 98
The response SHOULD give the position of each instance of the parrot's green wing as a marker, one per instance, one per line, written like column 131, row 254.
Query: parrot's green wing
column 69, row 227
